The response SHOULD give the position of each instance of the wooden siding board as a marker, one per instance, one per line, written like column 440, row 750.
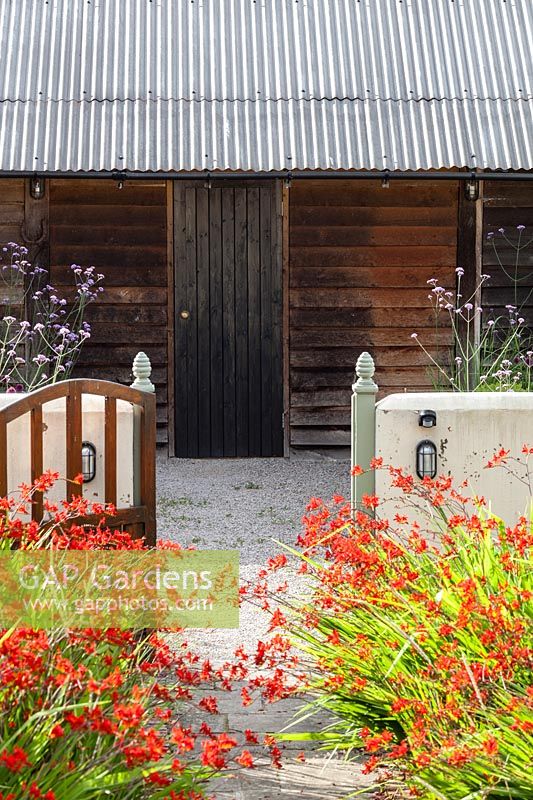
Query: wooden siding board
column 228, row 320
column 254, row 322
column 191, row 324
column 216, row 325
column 266, row 316
column 369, row 193
column 122, row 233
column 322, row 215
column 360, row 259
column 507, row 205
column 286, row 325
column 372, row 236
column 388, row 277
column 241, row 324
column 12, row 196
column 276, row 289
column 203, row 309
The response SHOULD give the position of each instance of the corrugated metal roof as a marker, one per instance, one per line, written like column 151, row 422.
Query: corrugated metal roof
column 265, row 84
column 270, row 135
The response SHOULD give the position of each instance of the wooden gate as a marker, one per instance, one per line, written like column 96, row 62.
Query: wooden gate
column 228, row 319
column 139, row 519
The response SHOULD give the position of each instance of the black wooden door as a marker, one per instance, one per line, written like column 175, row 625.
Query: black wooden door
column 228, row 320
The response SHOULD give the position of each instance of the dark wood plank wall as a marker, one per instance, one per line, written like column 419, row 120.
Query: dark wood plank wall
column 11, row 210
column 360, row 257
column 507, row 204
column 122, row 233
column 24, row 221
column 11, row 226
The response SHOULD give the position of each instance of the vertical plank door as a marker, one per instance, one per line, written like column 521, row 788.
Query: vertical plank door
column 228, row 320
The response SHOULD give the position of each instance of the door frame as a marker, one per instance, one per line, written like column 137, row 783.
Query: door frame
column 282, row 206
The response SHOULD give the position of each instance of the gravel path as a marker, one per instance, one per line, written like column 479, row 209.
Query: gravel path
column 244, row 504
column 248, row 504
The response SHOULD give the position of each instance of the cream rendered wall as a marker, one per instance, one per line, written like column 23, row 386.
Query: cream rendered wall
column 470, row 428
column 54, row 451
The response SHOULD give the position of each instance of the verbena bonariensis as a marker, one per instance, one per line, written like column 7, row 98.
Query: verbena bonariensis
column 41, row 332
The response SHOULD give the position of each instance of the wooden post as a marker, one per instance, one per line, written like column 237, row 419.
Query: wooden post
column 73, row 421
column 285, row 208
column 171, row 310
column 363, row 428
column 469, row 258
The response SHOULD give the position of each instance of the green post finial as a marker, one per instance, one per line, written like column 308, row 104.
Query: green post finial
column 364, row 372
column 142, row 369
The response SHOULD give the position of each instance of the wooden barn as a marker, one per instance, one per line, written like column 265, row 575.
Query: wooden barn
column 267, row 187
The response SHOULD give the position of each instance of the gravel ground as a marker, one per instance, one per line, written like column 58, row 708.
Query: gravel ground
column 244, row 504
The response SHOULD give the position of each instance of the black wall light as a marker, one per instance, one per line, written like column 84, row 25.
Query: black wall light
column 426, row 459
column 427, row 419
column 88, row 461
column 472, row 189
column 37, row 187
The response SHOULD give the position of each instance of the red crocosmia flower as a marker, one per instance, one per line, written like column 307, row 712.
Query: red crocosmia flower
column 57, row 732
column 378, row 742
column 74, row 721
column 15, row 760
column 278, row 620
column 226, row 742
column 205, row 729
column 275, row 757
column 129, row 716
column 213, row 751
column 399, row 750
column 370, row 501
column 245, row 759
column 277, row 562
column 498, row 458
column 376, row 462
column 400, row 704
column 333, row 637
column 157, row 779
column 445, row 629
column 370, row 765
column 46, row 481
column 356, row 471
column 401, row 519
column 490, row 746
column 209, row 704
column 423, row 759
column 250, row 736
column 246, row 697
column 183, row 738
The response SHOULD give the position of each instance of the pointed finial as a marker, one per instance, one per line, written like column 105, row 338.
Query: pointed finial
column 364, row 372
column 142, row 369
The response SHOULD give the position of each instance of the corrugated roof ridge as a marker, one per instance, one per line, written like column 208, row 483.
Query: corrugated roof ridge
column 527, row 96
